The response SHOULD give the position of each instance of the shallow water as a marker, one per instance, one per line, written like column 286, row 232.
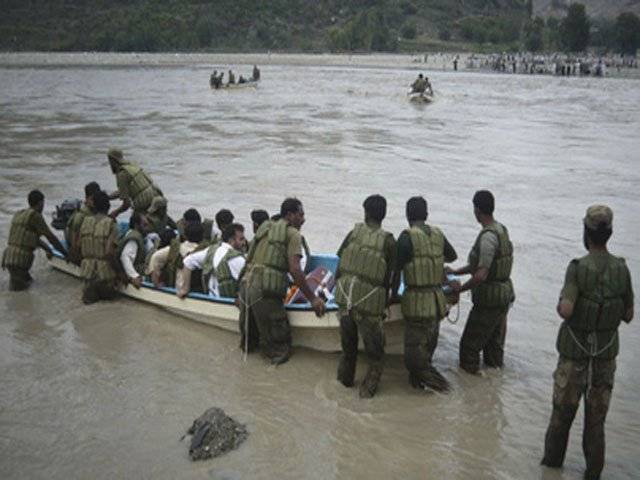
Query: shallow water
column 106, row 391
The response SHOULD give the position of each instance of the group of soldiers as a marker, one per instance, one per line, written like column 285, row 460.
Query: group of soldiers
column 421, row 85
column 215, row 257
column 216, row 80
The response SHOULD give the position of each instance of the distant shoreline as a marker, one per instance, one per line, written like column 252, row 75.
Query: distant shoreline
column 435, row 61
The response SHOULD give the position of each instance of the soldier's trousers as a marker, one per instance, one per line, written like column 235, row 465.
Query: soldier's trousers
column 96, row 290
column 249, row 336
column 267, row 317
column 420, row 341
column 19, row 279
column 484, row 332
column 370, row 329
column 571, row 383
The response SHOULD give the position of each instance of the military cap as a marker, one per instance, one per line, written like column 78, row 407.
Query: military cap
column 598, row 216
column 115, row 154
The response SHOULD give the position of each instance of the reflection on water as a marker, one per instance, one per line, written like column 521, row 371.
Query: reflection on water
column 106, row 391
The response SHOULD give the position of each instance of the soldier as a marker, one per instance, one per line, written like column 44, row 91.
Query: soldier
column 157, row 216
column 212, row 230
column 27, row 226
column 596, row 296
column 98, row 242
column 367, row 258
column 275, row 252
column 131, row 250
column 72, row 231
column 134, row 185
column 422, row 251
column 490, row 262
column 419, row 85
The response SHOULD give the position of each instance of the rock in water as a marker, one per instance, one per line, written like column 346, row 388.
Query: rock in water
column 215, row 433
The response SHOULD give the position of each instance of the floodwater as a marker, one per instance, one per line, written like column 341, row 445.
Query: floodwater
column 106, row 391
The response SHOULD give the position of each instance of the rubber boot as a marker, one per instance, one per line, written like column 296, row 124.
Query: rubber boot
column 346, row 370
column 369, row 385
column 431, row 379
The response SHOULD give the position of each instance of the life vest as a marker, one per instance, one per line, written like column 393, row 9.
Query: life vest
column 497, row 290
column 227, row 285
column 269, row 264
column 140, row 188
column 23, row 240
column 423, row 296
column 72, row 229
column 592, row 330
column 139, row 261
column 94, row 235
column 362, row 270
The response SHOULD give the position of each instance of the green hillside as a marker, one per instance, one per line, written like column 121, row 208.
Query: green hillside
column 256, row 25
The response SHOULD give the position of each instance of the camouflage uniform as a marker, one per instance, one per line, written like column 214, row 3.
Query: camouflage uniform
column 599, row 287
column 367, row 258
column 263, row 288
column 27, row 226
column 486, row 326
column 422, row 251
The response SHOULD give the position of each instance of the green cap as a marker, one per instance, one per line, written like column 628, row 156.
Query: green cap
column 115, row 154
column 598, row 216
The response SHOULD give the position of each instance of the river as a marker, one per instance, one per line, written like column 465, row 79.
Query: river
column 106, row 391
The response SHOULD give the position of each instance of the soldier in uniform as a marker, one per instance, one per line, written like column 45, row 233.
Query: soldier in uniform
column 489, row 264
column 98, row 242
column 27, row 226
column 134, row 185
column 72, row 232
column 596, row 296
column 275, row 252
column 131, row 249
column 367, row 259
column 157, row 216
column 422, row 251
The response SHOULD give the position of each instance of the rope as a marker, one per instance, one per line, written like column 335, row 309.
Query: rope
column 592, row 352
column 350, row 303
column 247, row 306
column 457, row 307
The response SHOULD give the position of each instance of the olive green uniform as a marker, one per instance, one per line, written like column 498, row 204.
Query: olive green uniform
column 599, row 286
column 72, row 230
column 227, row 285
column 486, row 326
column 422, row 251
column 134, row 184
column 27, row 226
column 139, row 263
column 97, row 267
column 367, row 258
column 159, row 223
column 263, row 289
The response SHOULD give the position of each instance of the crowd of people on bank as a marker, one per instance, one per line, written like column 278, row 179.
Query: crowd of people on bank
column 561, row 64
column 216, row 80
column 213, row 256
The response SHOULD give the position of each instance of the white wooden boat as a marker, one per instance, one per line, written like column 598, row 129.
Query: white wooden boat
column 307, row 330
column 237, row 86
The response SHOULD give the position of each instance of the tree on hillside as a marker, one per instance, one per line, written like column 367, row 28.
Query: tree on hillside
column 532, row 35
column 628, row 28
column 574, row 29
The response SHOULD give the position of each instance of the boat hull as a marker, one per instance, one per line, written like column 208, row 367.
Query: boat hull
column 307, row 330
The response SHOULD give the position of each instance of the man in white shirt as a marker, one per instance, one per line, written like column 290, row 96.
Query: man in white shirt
column 131, row 248
column 165, row 265
column 211, row 259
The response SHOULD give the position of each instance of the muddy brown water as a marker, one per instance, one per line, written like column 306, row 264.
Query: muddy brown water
column 106, row 391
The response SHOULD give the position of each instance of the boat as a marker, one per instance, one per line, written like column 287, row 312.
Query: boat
column 420, row 98
column 309, row 331
column 237, row 86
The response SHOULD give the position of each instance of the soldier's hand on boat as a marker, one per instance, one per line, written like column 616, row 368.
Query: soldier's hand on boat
column 137, row 282
column 318, row 306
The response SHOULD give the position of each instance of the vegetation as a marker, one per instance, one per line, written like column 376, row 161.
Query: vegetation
column 304, row 25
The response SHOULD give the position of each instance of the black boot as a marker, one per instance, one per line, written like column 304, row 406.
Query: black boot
column 346, row 370
column 369, row 385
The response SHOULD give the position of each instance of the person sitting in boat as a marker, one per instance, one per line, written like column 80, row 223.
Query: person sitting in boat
column 241, row 79
column 131, row 249
column 165, row 266
column 419, row 85
column 232, row 78
column 221, row 264
column 213, row 78
column 258, row 217
column 212, row 230
column 27, row 226
column 157, row 216
column 72, row 230
column 190, row 215
column 98, row 244
column 428, row 86
column 256, row 73
column 276, row 252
